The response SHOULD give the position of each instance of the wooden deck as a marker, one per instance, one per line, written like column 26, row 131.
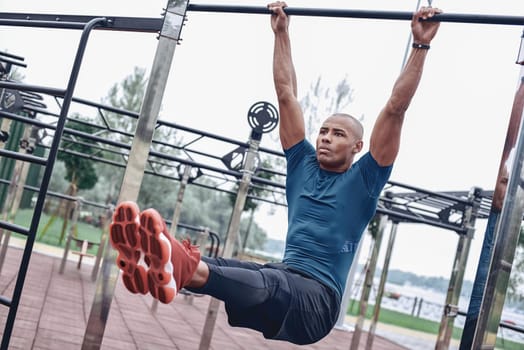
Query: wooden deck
column 54, row 310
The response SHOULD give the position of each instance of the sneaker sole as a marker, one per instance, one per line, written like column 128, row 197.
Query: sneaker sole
column 124, row 237
column 157, row 248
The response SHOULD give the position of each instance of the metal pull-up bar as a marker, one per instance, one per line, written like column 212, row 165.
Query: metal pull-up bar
column 347, row 13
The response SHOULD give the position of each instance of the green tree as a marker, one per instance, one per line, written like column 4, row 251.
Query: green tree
column 80, row 171
column 128, row 95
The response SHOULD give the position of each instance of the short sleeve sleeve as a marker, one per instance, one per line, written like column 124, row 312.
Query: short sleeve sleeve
column 375, row 176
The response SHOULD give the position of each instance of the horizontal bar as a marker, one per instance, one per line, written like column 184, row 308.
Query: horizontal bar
column 501, row 324
column 41, row 24
column 59, row 195
column 30, row 121
column 4, row 301
column 23, row 157
column 431, row 193
column 135, row 24
column 10, row 55
column 175, row 126
column 33, row 88
column 14, row 228
column 415, row 219
column 346, row 13
column 12, row 61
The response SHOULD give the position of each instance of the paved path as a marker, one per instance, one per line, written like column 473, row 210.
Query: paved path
column 54, row 310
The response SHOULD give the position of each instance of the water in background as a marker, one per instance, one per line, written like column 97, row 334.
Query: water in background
column 429, row 304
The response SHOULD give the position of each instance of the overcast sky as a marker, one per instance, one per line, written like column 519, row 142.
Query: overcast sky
column 454, row 129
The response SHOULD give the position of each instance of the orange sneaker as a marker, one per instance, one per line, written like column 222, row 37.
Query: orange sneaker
column 171, row 263
column 123, row 235
column 149, row 258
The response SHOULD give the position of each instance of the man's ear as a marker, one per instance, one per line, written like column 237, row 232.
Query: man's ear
column 357, row 147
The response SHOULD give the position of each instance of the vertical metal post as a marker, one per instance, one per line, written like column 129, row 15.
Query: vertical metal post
column 507, row 232
column 106, row 220
column 77, row 207
column 368, row 284
column 134, row 173
column 347, row 291
column 179, row 200
column 457, row 275
column 381, row 286
column 250, row 165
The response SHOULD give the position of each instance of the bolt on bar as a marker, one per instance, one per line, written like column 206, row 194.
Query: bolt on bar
column 347, row 13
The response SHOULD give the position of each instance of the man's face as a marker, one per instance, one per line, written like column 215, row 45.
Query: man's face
column 337, row 144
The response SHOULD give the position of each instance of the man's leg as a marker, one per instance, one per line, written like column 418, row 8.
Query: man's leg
column 143, row 238
column 255, row 298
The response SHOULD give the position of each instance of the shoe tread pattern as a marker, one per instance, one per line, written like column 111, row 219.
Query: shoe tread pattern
column 157, row 254
column 124, row 237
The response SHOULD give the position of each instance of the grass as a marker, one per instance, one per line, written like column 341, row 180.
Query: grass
column 407, row 321
column 52, row 236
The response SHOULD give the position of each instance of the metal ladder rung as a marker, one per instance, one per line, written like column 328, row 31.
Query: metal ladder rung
column 5, row 301
column 24, row 157
column 14, row 228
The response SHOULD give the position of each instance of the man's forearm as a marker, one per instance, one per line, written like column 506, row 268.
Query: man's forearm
column 283, row 70
column 408, row 81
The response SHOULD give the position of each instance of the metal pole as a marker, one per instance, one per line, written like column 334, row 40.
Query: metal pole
column 496, row 207
column 77, row 207
column 457, row 275
column 180, row 199
column 507, row 233
column 367, row 14
column 106, row 220
column 250, row 165
column 167, row 41
column 368, row 283
column 381, row 286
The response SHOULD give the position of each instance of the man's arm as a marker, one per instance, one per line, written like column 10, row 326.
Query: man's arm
column 385, row 137
column 292, row 129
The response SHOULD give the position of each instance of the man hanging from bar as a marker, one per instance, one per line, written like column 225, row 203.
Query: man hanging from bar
column 330, row 199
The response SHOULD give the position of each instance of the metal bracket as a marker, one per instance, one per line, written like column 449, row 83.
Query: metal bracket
column 174, row 19
column 451, row 310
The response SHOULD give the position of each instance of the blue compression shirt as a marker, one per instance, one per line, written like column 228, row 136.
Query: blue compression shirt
column 328, row 212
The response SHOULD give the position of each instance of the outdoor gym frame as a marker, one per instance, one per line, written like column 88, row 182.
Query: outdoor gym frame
column 169, row 29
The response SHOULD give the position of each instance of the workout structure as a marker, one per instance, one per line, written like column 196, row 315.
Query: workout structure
column 331, row 199
column 135, row 234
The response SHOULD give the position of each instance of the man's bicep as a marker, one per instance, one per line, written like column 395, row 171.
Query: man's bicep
column 292, row 127
column 385, row 138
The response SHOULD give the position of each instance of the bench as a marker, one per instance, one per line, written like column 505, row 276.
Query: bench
column 84, row 246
